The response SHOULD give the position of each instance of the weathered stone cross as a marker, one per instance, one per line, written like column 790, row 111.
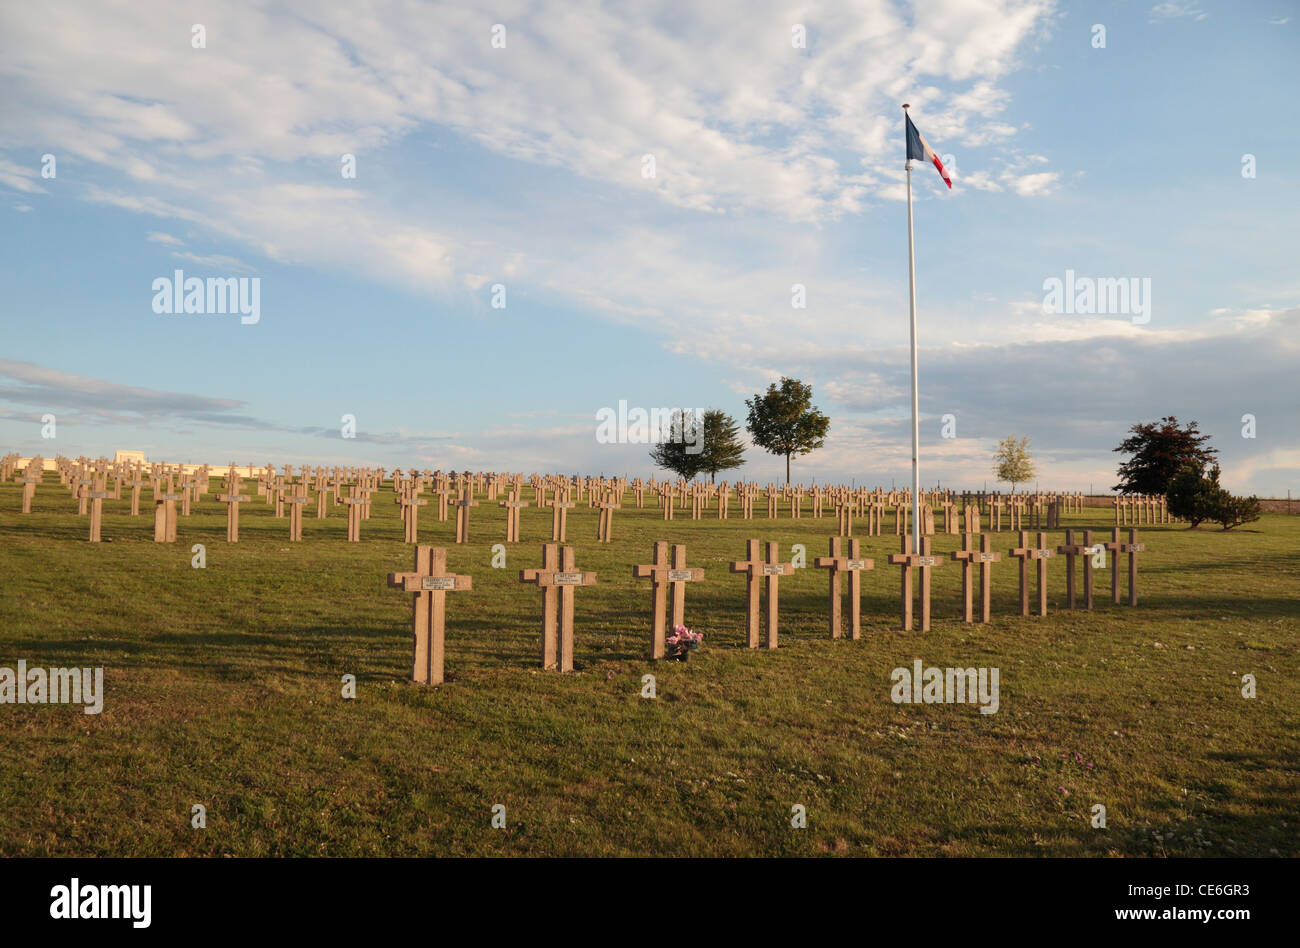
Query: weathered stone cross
column 854, row 566
column 557, row 579
column 164, row 515
column 1071, row 550
column 755, row 571
column 513, row 506
column 232, row 500
column 1041, row 553
column 462, row 514
column 430, row 582
column 1132, row 548
column 665, row 578
column 605, row 525
column 924, row 561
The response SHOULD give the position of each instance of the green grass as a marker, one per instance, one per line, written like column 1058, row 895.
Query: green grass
column 223, row 688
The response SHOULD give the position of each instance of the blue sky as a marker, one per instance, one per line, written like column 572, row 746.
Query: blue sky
column 523, row 166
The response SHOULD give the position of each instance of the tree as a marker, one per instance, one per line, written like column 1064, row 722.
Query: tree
column 1012, row 463
column 1195, row 496
column 1160, row 450
column 784, row 421
column 682, row 452
column 1234, row 511
column 722, row 448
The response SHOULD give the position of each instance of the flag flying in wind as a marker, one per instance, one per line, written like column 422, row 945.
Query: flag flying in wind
column 918, row 148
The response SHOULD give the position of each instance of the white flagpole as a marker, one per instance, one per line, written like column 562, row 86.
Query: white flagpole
column 916, row 429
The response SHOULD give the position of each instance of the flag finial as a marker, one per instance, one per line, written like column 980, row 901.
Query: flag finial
column 905, row 105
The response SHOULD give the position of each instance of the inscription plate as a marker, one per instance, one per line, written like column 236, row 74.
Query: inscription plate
column 989, row 557
column 857, row 564
column 568, row 579
column 680, row 575
column 437, row 583
column 773, row 569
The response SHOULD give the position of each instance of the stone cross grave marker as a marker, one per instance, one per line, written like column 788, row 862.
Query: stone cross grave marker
column 1071, row 550
column 907, row 561
column 296, row 502
column 1132, row 548
column 96, row 495
column 355, row 501
column 1041, row 554
column 663, row 580
column 29, row 482
column 605, row 525
column 164, row 514
column 232, row 500
column 430, row 582
column 854, row 565
column 756, row 571
column 137, row 482
column 559, row 504
column 557, row 579
column 462, row 514
column 968, row 557
column 512, row 506
column 844, row 516
column 411, row 504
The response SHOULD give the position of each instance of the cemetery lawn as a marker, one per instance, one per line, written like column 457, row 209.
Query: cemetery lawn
column 223, row 688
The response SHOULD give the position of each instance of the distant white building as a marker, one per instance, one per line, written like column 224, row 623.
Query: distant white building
column 130, row 457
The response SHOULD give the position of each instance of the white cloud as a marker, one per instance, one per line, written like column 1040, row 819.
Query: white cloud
column 1173, row 11
column 19, row 178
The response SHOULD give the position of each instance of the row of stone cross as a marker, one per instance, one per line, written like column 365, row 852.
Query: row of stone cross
column 559, row 577
column 89, row 484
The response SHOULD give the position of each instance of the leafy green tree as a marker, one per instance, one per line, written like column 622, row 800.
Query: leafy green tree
column 1160, row 450
column 1195, row 496
column 1234, row 511
column 723, row 449
column 783, row 421
column 682, row 451
column 1012, row 462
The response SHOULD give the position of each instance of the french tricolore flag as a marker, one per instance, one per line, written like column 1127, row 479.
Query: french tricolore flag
column 918, row 148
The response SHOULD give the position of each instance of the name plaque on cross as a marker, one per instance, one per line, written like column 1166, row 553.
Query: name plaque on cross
column 168, row 497
column 438, row 583
column 97, row 494
column 856, row 564
column 773, row 569
column 1134, row 547
column 988, row 557
column 568, row 579
column 1043, row 554
column 680, row 575
column 925, row 561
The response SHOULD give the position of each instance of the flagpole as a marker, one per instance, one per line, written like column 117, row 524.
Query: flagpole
column 916, row 430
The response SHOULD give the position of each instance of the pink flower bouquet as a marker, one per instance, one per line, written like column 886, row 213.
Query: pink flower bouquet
column 682, row 641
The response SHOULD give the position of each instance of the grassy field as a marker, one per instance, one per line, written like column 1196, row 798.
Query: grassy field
column 223, row 689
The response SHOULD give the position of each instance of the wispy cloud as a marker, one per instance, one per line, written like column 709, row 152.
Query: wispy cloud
column 1173, row 11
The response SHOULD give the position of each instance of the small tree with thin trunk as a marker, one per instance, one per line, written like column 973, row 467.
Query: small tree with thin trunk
column 785, row 422
column 723, row 449
column 1012, row 463
column 681, row 451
